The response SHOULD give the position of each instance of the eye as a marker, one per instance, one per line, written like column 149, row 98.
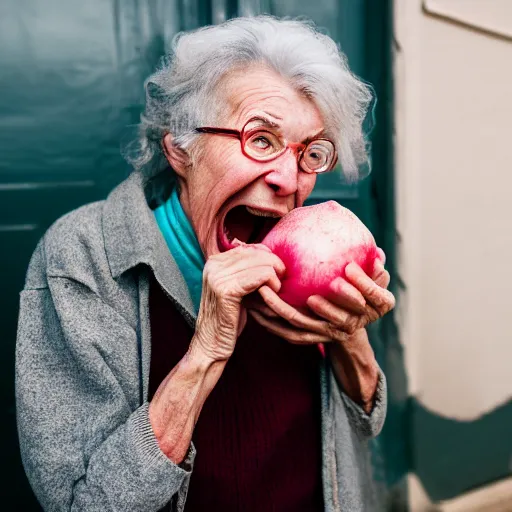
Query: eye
column 318, row 155
column 315, row 156
column 262, row 143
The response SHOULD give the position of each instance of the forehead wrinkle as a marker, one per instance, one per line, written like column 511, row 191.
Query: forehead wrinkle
column 267, row 100
column 250, row 102
column 280, row 128
column 275, row 116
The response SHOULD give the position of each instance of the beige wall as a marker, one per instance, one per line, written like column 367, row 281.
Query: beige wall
column 454, row 201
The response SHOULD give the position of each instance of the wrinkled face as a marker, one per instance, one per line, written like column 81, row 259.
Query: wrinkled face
column 227, row 195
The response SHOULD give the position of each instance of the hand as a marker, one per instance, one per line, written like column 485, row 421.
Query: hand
column 355, row 302
column 227, row 278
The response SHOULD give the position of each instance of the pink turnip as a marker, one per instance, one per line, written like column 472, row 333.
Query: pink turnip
column 316, row 243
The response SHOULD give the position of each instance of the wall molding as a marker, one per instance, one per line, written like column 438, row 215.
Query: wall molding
column 452, row 12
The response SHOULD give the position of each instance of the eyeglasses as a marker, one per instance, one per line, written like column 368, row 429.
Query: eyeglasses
column 259, row 142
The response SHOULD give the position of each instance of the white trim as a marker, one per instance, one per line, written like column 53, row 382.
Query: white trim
column 494, row 17
column 407, row 58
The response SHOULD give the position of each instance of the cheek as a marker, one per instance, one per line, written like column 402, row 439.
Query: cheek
column 236, row 172
column 211, row 177
column 305, row 187
column 226, row 163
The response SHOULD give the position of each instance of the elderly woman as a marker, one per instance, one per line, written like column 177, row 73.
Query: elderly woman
column 156, row 366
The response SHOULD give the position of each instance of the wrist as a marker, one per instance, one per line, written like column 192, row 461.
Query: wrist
column 356, row 368
column 177, row 403
column 204, row 364
column 202, row 357
column 198, row 358
column 353, row 344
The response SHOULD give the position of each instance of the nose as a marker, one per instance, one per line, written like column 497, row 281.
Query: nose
column 284, row 176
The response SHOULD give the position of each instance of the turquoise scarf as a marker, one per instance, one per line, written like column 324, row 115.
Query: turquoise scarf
column 183, row 244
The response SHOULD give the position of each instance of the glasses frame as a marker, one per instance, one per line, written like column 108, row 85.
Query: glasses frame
column 294, row 146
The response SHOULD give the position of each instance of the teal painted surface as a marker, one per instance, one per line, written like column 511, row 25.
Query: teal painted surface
column 395, row 440
column 71, row 82
column 451, row 457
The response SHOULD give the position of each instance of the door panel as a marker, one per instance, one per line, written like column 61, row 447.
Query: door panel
column 72, row 78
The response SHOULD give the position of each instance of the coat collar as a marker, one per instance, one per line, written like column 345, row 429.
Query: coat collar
column 132, row 237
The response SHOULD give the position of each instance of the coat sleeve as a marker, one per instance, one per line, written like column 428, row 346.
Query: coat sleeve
column 84, row 445
column 366, row 425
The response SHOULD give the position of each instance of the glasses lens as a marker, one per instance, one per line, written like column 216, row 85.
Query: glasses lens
column 262, row 144
column 318, row 156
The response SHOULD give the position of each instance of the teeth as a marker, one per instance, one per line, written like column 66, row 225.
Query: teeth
column 260, row 213
column 229, row 236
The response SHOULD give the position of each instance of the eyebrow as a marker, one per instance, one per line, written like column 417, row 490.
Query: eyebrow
column 322, row 133
column 265, row 120
column 273, row 124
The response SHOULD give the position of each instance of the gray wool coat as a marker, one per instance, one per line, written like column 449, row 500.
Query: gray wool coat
column 82, row 370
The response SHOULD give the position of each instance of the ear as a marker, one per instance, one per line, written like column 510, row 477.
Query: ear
column 177, row 157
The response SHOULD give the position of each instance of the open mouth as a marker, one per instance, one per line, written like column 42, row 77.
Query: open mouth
column 247, row 224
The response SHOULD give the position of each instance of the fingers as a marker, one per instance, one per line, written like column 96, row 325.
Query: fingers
column 380, row 274
column 347, row 296
column 300, row 320
column 251, row 279
column 273, row 281
column 265, row 310
column 242, row 259
column 337, row 316
column 381, row 255
column 256, row 303
column 292, row 335
column 246, row 253
column 379, row 298
column 287, row 312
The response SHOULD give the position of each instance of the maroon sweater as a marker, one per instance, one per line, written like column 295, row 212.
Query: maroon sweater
column 258, row 435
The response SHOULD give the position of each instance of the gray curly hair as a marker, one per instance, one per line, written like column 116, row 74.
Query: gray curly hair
column 181, row 94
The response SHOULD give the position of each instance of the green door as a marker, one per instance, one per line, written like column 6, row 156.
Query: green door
column 72, row 90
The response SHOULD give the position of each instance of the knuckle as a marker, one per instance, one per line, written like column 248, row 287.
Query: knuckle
column 332, row 330
column 386, row 304
column 269, row 272
column 363, row 321
column 266, row 274
column 207, row 268
column 210, row 271
column 295, row 318
column 353, row 324
column 344, row 321
column 220, row 289
column 373, row 315
column 349, row 327
column 379, row 274
column 377, row 300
